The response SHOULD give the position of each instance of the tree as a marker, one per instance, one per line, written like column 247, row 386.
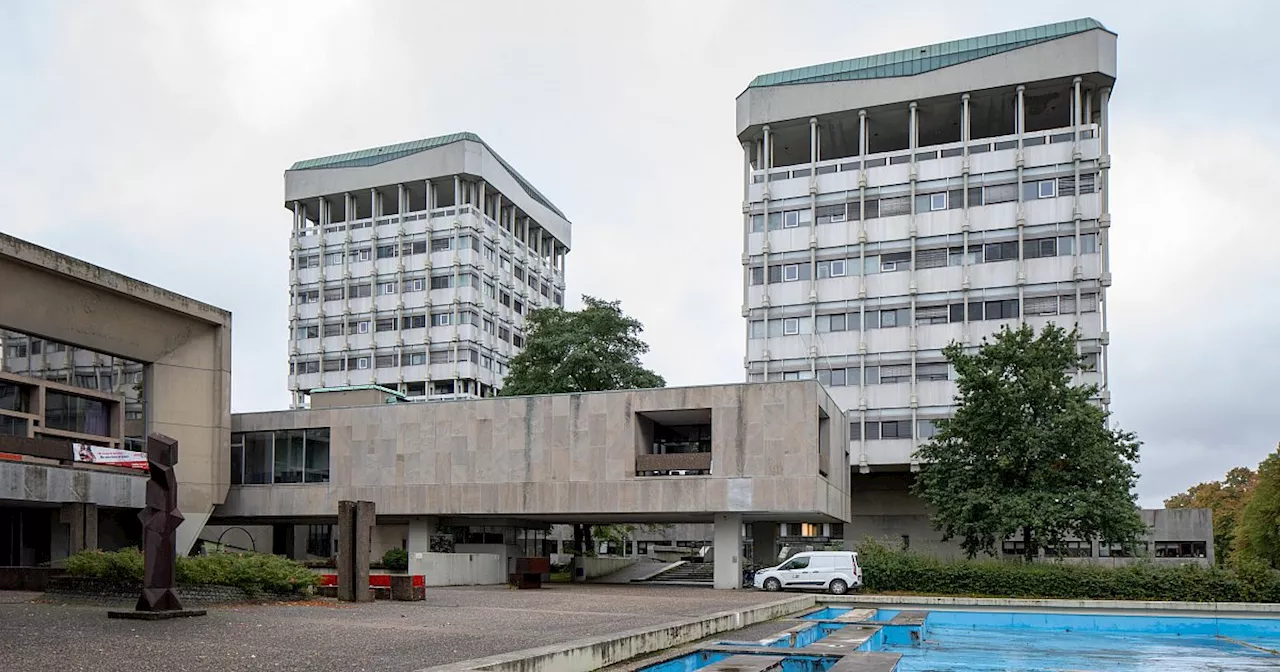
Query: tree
column 1028, row 451
column 1258, row 535
column 1227, row 499
column 589, row 350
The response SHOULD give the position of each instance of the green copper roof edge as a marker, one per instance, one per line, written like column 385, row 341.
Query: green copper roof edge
column 907, row 62
column 376, row 155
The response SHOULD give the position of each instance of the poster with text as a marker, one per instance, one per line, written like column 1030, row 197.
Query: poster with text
column 112, row 457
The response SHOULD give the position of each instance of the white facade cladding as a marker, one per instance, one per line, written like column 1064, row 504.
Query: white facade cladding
column 897, row 203
column 414, row 266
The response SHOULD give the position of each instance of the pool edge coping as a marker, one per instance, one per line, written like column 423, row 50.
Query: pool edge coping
column 573, row 656
column 1204, row 608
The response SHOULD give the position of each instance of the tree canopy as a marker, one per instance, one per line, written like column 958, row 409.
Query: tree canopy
column 1258, row 534
column 589, row 350
column 1027, row 451
column 1227, row 499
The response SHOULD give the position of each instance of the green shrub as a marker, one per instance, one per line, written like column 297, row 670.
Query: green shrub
column 887, row 570
column 396, row 559
column 252, row 572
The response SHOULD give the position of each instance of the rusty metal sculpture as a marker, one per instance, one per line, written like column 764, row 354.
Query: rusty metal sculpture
column 160, row 521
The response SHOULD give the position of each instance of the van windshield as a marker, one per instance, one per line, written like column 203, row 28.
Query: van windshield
column 796, row 563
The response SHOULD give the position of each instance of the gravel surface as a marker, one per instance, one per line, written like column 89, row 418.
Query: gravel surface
column 453, row 624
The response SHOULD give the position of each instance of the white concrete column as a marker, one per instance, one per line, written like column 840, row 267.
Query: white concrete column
column 966, row 133
column 766, row 162
column 813, row 243
column 1021, row 279
column 728, row 549
column 421, row 530
column 1104, row 231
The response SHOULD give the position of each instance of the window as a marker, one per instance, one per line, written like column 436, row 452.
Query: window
column 504, row 298
column 310, row 366
column 1089, row 362
column 795, row 563
column 1000, row 251
column 757, row 275
column 333, row 259
column 888, row 319
column 518, row 307
column 361, row 254
column 506, row 264
column 1047, row 188
column 303, row 333
column 362, row 363
column 441, row 356
column 517, row 340
column 837, row 268
column 385, row 324
column 791, row 326
column 333, row 293
column 490, row 292
column 386, row 288
column 441, row 281
column 359, row 291
column 384, row 361
column 932, row 258
column 490, row 254
column 938, row 201
column 899, row 205
column 926, row 429
column 320, row 540
column 413, row 247
column 519, row 273
column 76, row 414
column 309, row 296
column 1041, row 305
column 1089, row 243
column 895, row 373
column 790, row 272
column 441, row 319
column 413, row 322
column 415, row 358
column 441, row 244
column 415, row 285
column 387, row 251
column 956, row 256
column 333, row 364
column 1001, row 310
column 839, row 322
column 932, row 315
column 504, row 333
column 897, row 261
column 358, row 327
column 1013, row 548
column 932, row 372
column 1180, row 549
column 831, row 213
column 1115, row 550
column 309, row 261
column 999, row 193
column 793, row 218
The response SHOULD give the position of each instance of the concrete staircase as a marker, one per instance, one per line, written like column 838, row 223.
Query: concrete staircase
column 685, row 574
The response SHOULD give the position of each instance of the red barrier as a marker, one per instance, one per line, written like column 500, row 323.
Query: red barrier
column 375, row 580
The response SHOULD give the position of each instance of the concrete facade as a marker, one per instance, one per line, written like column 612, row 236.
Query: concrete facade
column 413, row 267
column 184, row 346
column 895, row 204
column 886, row 511
column 568, row 457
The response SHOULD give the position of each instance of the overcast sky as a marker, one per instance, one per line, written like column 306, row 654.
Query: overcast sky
column 151, row 138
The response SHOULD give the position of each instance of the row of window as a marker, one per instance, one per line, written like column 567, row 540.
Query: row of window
column 890, row 318
column 891, row 429
column 926, row 202
column 409, row 248
column 283, row 456
column 885, row 374
column 362, row 362
column 412, row 321
column 365, row 289
column 939, row 257
column 1084, row 549
column 35, row 346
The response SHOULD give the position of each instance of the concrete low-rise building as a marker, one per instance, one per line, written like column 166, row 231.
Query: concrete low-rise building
column 721, row 454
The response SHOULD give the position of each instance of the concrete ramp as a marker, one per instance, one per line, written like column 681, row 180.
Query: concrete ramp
column 856, row 616
column 745, row 663
column 639, row 571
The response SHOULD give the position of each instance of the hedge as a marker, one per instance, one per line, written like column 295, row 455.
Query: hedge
column 251, row 572
column 886, row 570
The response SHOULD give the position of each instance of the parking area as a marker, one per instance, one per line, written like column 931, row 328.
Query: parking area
column 453, row 624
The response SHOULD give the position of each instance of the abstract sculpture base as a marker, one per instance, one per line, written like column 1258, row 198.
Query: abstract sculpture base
column 156, row 615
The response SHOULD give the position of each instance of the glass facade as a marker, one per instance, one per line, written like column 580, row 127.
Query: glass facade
column 283, row 456
column 76, row 414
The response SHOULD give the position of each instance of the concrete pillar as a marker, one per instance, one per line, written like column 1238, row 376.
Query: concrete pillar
column 728, row 548
column 355, row 530
column 421, row 529
column 764, row 544
column 83, row 522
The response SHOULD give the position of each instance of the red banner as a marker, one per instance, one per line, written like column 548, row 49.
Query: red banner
column 112, row 457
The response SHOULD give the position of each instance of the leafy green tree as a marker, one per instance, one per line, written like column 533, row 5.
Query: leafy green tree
column 1258, row 535
column 1227, row 499
column 589, row 350
column 1026, row 450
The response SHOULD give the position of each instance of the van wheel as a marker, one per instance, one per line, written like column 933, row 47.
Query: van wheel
column 838, row 587
column 772, row 585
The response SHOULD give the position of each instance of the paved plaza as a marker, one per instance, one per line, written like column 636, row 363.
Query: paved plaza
column 453, row 624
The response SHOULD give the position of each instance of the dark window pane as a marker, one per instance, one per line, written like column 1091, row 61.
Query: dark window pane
column 317, row 461
column 257, row 457
column 288, row 456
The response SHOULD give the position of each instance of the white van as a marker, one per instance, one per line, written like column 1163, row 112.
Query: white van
column 834, row 571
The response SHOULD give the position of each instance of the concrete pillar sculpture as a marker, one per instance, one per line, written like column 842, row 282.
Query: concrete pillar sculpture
column 355, row 530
